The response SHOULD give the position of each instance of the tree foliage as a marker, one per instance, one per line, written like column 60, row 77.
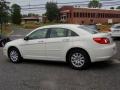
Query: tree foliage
column 95, row 4
column 118, row 7
column 52, row 11
column 4, row 11
column 16, row 14
column 111, row 7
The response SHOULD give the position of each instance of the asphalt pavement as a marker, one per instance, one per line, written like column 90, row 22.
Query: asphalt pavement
column 45, row 75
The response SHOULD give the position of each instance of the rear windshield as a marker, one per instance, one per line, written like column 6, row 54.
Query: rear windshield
column 90, row 28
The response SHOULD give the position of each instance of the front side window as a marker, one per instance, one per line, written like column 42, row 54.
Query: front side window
column 39, row 34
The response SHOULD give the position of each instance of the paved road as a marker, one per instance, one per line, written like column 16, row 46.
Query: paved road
column 44, row 75
column 19, row 33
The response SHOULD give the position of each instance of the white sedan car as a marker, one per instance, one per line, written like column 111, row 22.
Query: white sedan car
column 115, row 30
column 78, row 45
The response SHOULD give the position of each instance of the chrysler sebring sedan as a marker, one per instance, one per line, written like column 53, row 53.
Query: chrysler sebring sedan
column 78, row 45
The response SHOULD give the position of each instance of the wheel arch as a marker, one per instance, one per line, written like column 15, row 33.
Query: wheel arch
column 11, row 47
column 76, row 48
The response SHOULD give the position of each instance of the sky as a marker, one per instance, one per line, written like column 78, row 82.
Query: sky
column 40, row 11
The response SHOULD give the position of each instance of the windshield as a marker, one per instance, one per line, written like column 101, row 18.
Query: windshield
column 90, row 28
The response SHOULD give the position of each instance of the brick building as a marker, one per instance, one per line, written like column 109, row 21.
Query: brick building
column 77, row 15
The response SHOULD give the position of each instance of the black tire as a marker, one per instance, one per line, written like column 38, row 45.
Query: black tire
column 76, row 62
column 12, row 52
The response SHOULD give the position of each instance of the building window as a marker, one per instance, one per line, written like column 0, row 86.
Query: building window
column 93, row 15
column 98, row 15
column 70, row 15
column 67, row 15
column 88, row 15
column 102, row 15
column 80, row 14
column 74, row 14
column 77, row 14
column 83, row 14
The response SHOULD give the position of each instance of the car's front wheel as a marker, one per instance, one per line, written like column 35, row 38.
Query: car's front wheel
column 14, row 55
column 79, row 59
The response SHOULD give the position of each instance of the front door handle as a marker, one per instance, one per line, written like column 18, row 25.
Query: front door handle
column 65, row 40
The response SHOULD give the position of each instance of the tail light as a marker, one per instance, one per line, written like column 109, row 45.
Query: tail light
column 101, row 40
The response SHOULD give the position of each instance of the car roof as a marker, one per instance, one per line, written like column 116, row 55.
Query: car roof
column 61, row 25
column 73, row 27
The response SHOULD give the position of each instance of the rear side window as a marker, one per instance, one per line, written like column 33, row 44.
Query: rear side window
column 71, row 33
column 90, row 28
column 58, row 32
column 61, row 32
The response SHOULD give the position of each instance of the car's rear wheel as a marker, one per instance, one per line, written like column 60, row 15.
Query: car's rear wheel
column 14, row 55
column 79, row 59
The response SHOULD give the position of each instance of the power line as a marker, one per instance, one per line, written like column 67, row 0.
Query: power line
column 40, row 6
column 107, row 2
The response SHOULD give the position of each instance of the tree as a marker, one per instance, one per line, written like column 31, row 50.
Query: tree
column 111, row 7
column 52, row 11
column 16, row 14
column 95, row 4
column 118, row 7
column 4, row 12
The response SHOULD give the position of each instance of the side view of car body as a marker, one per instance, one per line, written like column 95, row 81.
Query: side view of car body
column 115, row 30
column 76, row 44
column 3, row 40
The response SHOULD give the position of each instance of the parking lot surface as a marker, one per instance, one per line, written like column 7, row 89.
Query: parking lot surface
column 45, row 75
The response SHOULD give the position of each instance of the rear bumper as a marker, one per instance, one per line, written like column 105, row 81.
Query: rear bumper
column 104, row 53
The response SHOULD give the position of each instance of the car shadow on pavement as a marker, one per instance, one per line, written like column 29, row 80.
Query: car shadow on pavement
column 46, row 62
column 94, row 66
column 116, row 38
column 101, row 65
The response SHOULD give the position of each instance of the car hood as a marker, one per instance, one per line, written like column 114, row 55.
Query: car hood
column 15, row 42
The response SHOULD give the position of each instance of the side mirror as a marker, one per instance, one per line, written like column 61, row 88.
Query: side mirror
column 26, row 38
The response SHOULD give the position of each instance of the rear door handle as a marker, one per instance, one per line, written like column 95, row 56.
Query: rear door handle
column 40, row 41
